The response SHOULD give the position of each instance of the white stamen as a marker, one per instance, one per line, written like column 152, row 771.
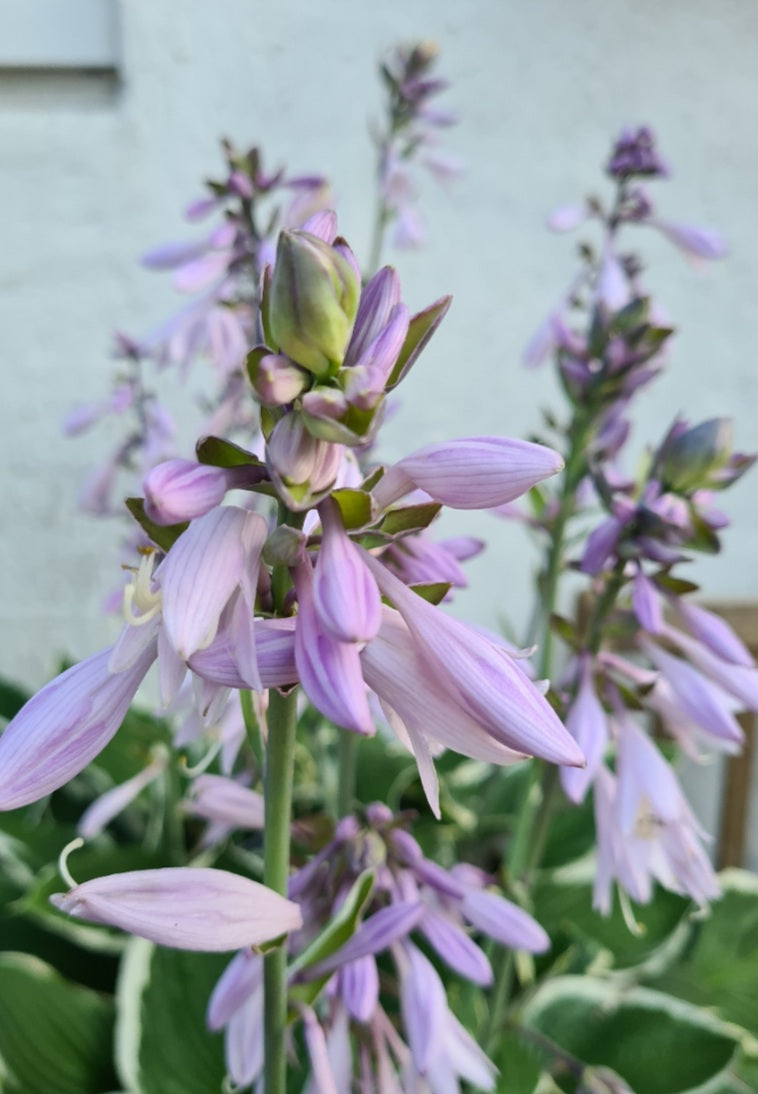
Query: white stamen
column 141, row 602
column 63, row 870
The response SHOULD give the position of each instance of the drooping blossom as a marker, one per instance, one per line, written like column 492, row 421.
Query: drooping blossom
column 412, row 899
column 183, row 907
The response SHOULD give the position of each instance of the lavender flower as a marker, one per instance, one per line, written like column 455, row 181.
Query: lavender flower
column 189, row 909
column 411, row 895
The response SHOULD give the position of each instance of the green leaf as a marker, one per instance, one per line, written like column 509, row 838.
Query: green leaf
column 420, row 329
column 336, row 933
column 720, row 964
column 658, row 1044
column 518, row 1062
column 12, row 698
column 55, row 1037
column 162, row 1044
column 162, row 535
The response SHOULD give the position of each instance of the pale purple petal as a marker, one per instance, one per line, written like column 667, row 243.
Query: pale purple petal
column 694, row 241
column 587, row 724
column 612, row 285
column 504, row 921
column 601, row 543
column 275, row 653
column 331, row 1057
column 244, row 1042
column 169, row 255
column 480, row 677
column 701, row 699
column 81, row 418
column 323, row 1081
column 647, row 603
column 329, row 670
column 322, row 224
column 375, row 934
column 394, row 668
column 345, row 594
column 456, row 949
column 741, row 681
column 366, row 380
column 220, row 799
column 103, row 809
column 359, row 987
column 541, row 343
column 644, row 780
column 200, row 573
column 567, row 217
column 715, row 633
column 424, row 1007
column 241, row 979
column 64, row 726
column 186, row 908
column 475, row 472
column 380, row 296
column 201, row 272
column 463, row 1056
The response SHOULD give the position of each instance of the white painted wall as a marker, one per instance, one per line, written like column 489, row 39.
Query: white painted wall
column 95, row 173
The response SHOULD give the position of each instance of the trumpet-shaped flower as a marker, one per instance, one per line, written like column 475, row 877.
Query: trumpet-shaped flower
column 65, row 725
column 480, row 677
column 470, row 472
column 189, row 909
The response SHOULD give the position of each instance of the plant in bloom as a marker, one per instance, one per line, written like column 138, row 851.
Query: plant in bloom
column 641, row 650
column 239, row 599
column 291, row 595
column 373, row 866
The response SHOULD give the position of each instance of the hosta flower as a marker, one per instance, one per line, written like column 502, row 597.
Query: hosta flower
column 62, row 728
column 186, row 908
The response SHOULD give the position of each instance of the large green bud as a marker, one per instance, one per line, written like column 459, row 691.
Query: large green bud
column 313, row 302
column 690, row 456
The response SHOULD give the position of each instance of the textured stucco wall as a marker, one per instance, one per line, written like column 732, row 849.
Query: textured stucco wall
column 92, row 175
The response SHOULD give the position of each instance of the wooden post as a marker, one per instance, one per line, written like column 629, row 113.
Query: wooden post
column 738, row 777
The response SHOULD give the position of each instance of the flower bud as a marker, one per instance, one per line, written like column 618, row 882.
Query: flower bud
column 179, row 490
column 314, row 300
column 275, row 379
column 690, row 456
column 301, row 466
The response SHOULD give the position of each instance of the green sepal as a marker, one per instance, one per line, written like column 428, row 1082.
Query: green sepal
column 265, row 311
column 704, row 538
column 376, row 476
column 420, row 329
column 432, row 591
column 334, row 935
column 162, row 535
column 409, row 518
column 566, row 631
column 355, row 508
column 253, row 360
column 632, row 316
column 675, row 585
column 217, row 452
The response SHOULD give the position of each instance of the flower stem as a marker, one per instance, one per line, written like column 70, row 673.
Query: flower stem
column 280, row 757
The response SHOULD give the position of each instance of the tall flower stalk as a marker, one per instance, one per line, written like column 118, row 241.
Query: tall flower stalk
column 291, row 594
